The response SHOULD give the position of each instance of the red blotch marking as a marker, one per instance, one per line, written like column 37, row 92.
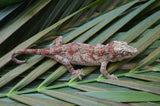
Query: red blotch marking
column 47, row 48
column 56, row 49
column 101, row 52
column 111, row 50
column 91, row 52
column 71, row 52
column 22, row 51
column 45, row 51
column 34, row 51
column 81, row 58
column 91, row 56
column 73, row 48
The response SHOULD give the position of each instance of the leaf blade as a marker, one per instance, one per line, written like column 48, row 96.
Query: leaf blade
column 144, row 77
column 9, row 30
column 80, row 99
column 124, row 96
column 153, row 88
column 36, row 101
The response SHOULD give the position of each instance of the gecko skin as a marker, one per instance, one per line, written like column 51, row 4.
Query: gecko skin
column 82, row 54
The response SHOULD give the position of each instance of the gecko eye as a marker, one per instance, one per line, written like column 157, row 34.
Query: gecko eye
column 124, row 53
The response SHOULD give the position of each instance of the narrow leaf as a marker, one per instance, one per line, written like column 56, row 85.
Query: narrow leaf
column 144, row 77
column 9, row 30
column 80, row 99
column 124, row 96
column 149, row 59
column 18, row 70
column 145, row 104
column 4, row 103
column 116, row 26
column 36, row 101
column 148, row 39
column 89, row 88
column 153, row 88
column 108, row 18
column 141, row 27
column 55, row 75
column 52, row 16
column 6, row 11
column 33, row 75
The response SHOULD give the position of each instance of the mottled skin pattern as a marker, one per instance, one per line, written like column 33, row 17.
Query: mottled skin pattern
column 83, row 54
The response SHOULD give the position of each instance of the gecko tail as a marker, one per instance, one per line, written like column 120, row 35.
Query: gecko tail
column 28, row 51
column 13, row 57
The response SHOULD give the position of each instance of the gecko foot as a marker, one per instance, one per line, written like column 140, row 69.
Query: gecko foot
column 111, row 77
column 77, row 73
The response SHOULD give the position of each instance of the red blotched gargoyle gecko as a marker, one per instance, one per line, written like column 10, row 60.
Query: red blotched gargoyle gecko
column 82, row 54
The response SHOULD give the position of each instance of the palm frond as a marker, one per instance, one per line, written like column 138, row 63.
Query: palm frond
column 43, row 81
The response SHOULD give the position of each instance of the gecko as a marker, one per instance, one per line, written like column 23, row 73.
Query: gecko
column 82, row 54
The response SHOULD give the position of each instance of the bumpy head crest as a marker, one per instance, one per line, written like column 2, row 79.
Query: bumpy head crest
column 121, row 50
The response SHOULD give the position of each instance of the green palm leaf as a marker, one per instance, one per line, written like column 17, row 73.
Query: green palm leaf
column 43, row 81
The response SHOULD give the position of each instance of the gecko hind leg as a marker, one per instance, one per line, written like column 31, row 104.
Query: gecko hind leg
column 70, row 68
column 58, row 41
column 105, row 73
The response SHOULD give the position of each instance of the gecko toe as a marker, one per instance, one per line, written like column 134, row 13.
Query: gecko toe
column 80, row 77
column 77, row 73
column 82, row 74
column 113, row 77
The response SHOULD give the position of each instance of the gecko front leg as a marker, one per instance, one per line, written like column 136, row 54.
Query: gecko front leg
column 58, row 41
column 105, row 73
column 70, row 68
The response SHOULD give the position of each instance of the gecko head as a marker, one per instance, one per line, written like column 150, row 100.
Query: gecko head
column 121, row 50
